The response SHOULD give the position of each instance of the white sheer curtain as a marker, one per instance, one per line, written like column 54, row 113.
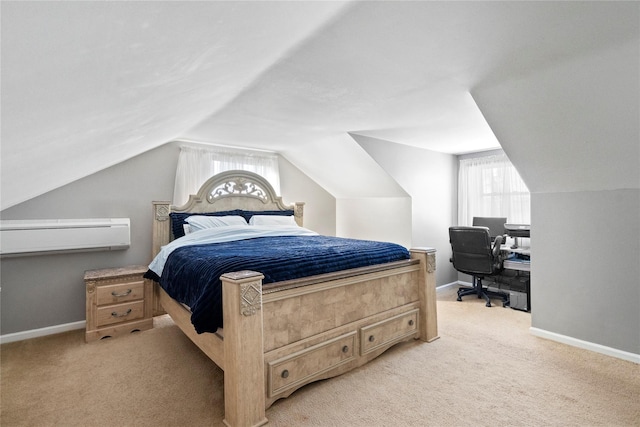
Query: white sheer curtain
column 491, row 186
column 197, row 164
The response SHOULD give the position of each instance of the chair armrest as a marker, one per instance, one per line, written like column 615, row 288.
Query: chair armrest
column 496, row 246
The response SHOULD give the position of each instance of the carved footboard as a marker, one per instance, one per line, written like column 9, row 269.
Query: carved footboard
column 289, row 334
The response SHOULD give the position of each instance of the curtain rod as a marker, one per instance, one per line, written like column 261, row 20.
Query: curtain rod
column 211, row 144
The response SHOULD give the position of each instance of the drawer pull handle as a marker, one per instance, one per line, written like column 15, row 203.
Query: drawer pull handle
column 411, row 322
column 372, row 338
column 285, row 374
column 124, row 294
column 115, row 313
column 345, row 349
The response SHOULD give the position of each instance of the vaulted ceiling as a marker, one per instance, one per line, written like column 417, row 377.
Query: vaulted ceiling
column 86, row 85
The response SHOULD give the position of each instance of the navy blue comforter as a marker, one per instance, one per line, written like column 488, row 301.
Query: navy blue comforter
column 192, row 274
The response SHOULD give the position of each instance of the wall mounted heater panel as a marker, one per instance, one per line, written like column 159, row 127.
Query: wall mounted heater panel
column 31, row 237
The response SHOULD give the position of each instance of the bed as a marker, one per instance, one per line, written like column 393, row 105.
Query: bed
column 279, row 336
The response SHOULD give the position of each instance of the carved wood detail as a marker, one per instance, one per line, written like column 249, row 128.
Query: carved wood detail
column 162, row 212
column 238, row 187
column 251, row 298
column 431, row 263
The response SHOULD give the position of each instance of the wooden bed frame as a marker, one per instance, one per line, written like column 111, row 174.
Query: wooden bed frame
column 281, row 336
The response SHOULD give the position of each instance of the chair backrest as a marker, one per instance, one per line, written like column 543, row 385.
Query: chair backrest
column 494, row 223
column 472, row 250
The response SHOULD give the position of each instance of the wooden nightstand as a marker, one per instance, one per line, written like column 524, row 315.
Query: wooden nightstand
column 119, row 301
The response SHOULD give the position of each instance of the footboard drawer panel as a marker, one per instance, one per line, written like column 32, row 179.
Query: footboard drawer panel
column 301, row 367
column 388, row 331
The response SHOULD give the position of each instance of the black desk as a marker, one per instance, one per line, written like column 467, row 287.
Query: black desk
column 518, row 262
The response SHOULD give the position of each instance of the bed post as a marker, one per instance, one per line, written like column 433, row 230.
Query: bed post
column 298, row 213
column 161, row 236
column 161, row 226
column 428, row 309
column 244, row 387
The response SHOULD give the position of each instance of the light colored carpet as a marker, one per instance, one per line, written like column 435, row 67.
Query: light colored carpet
column 485, row 370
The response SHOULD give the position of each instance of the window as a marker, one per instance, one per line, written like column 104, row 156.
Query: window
column 198, row 164
column 491, row 186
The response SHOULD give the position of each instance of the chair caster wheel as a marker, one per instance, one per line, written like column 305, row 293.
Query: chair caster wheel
column 488, row 304
column 459, row 298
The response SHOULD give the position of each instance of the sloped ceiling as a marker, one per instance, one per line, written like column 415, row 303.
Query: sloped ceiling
column 574, row 126
column 86, row 85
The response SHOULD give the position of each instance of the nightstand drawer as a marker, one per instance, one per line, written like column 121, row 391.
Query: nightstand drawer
column 118, row 313
column 110, row 294
column 389, row 331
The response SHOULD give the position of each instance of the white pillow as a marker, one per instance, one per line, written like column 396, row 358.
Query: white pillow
column 272, row 220
column 202, row 222
column 186, row 228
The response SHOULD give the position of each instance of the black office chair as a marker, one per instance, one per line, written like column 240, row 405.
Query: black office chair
column 474, row 254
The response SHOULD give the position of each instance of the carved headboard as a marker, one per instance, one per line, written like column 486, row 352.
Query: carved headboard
column 225, row 191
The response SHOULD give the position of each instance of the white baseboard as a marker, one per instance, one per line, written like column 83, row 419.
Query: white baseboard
column 624, row 355
column 620, row 354
column 447, row 285
column 456, row 283
column 35, row 333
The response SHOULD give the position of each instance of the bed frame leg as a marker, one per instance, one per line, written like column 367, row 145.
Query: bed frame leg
column 244, row 388
column 428, row 307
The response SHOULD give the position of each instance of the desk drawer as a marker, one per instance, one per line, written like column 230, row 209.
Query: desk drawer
column 301, row 367
column 517, row 265
column 119, row 313
column 388, row 331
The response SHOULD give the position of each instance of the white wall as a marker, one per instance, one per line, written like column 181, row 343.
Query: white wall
column 319, row 205
column 387, row 219
column 430, row 178
column 585, row 263
column 572, row 130
column 48, row 290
